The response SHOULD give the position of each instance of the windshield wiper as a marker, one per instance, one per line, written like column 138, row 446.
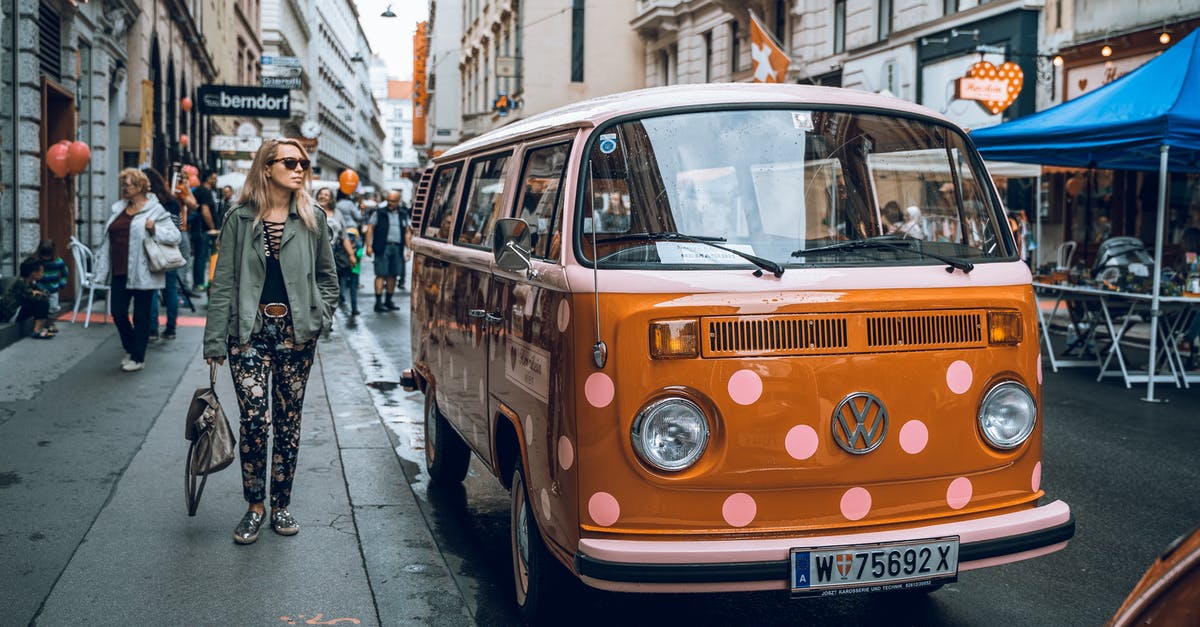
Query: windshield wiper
column 891, row 244
column 763, row 264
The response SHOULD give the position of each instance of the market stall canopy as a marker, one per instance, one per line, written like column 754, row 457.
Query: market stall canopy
column 1119, row 126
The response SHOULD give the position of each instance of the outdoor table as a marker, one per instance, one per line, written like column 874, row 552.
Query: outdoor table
column 1176, row 312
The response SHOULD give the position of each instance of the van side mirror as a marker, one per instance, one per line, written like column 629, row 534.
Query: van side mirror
column 510, row 246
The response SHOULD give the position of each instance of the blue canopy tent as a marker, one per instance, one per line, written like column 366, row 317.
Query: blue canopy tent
column 1146, row 120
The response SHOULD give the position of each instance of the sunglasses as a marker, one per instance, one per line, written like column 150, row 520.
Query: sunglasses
column 290, row 163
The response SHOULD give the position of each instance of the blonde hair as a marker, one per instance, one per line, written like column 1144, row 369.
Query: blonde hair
column 135, row 176
column 254, row 192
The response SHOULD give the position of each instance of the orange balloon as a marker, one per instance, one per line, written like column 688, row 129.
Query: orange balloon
column 183, row 140
column 56, row 159
column 78, row 155
column 1075, row 185
column 185, row 104
column 348, row 181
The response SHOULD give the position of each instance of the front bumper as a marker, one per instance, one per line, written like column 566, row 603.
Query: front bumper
column 762, row 564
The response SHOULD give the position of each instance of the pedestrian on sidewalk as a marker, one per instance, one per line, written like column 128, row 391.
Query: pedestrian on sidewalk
column 122, row 255
column 202, row 228
column 170, row 293
column 32, row 301
column 343, row 251
column 387, row 234
column 272, row 295
column 54, row 275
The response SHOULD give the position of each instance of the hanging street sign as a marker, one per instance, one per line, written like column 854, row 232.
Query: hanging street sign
column 234, row 143
column 992, row 88
column 251, row 102
column 282, row 61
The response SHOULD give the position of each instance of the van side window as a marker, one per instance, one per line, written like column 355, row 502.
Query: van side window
column 439, row 213
column 541, row 192
column 485, row 200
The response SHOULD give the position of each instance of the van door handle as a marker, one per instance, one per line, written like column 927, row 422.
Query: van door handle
column 477, row 313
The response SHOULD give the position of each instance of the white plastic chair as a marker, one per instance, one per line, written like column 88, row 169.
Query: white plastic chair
column 1066, row 252
column 83, row 281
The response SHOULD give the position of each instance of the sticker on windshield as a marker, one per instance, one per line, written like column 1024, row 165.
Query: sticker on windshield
column 608, row 143
column 802, row 120
column 695, row 253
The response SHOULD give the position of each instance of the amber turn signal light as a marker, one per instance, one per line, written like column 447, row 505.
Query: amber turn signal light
column 1004, row 327
column 673, row 339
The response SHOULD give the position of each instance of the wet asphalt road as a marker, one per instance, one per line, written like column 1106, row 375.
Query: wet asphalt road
column 1127, row 468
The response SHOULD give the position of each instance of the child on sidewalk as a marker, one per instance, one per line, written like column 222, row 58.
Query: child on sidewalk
column 32, row 300
column 55, row 275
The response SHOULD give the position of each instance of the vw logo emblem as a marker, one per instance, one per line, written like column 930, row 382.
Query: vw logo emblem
column 859, row 423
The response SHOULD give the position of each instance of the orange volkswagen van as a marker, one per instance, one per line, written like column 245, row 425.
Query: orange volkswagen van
column 733, row 337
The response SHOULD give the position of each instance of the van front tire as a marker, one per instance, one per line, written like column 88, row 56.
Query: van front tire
column 539, row 580
column 446, row 455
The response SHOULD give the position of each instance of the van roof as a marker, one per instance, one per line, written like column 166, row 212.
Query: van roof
column 588, row 113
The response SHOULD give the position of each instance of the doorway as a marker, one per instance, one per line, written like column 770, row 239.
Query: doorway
column 56, row 213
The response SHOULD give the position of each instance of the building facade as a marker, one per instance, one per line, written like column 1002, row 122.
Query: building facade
column 519, row 57
column 400, row 159
column 443, row 112
column 112, row 74
column 350, row 134
column 286, row 33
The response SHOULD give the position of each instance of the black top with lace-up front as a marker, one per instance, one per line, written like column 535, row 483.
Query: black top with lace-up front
column 274, row 290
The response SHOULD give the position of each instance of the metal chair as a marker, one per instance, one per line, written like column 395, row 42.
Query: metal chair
column 1066, row 252
column 84, row 262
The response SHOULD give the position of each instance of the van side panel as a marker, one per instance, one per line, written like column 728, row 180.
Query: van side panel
column 530, row 377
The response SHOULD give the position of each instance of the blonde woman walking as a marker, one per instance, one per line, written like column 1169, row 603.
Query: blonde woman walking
column 272, row 295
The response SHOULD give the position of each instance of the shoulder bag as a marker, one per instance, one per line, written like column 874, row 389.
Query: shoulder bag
column 162, row 257
column 212, row 443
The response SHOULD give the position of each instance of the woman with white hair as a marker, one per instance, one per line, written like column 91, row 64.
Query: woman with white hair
column 137, row 216
column 911, row 227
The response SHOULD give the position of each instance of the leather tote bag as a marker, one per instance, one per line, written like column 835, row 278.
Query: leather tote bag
column 162, row 257
column 213, row 446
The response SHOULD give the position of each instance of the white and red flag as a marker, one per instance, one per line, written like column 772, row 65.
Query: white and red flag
column 770, row 61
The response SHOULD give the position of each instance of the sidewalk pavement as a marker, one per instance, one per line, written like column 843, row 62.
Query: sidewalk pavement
column 96, row 531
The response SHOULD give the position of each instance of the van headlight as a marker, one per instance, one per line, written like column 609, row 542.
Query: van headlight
column 1007, row 415
column 670, row 434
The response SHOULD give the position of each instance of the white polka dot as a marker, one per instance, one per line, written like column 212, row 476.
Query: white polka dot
column 801, row 442
column 739, row 509
column 566, row 453
column 545, row 504
column 959, row 493
column 564, row 315
column 528, row 430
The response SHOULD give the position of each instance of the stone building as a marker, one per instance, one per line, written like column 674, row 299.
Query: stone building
column 84, row 71
column 519, row 57
column 443, row 113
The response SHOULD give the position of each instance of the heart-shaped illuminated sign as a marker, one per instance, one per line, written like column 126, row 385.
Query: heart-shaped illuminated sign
column 994, row 88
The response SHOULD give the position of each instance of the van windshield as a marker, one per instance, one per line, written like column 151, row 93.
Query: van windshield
column 775, row 183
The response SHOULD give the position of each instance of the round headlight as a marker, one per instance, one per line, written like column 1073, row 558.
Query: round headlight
column 1007, row 415
column 670, row 434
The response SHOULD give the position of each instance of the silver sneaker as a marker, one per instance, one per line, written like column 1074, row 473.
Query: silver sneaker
column 284, row 523
column 247, row 529
column 126, row 360
column 133, row 366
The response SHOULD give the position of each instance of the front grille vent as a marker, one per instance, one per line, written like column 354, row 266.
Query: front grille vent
column 932, row 329
column 776, row 335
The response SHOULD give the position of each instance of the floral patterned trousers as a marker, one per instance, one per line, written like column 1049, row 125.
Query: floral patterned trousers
column 271, row 351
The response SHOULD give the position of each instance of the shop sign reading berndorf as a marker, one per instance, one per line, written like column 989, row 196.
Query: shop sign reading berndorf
column 250, row 102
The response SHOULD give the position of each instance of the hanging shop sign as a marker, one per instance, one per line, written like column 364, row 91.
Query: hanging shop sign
column 993, row 88
column 252, row 102
column 282, row 61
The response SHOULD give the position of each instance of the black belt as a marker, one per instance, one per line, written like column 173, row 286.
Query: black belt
column 273, row 310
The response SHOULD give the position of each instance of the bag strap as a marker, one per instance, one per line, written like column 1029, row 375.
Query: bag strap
column 212, row 376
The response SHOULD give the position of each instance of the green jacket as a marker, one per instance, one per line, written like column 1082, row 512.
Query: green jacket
column 308, row 273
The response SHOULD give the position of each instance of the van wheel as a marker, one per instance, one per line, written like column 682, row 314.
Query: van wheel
column 446, row 455
column 539, row 579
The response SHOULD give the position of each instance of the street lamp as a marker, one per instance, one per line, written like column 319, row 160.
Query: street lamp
column 387, row 12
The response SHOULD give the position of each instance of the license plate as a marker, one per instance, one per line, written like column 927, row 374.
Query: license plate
column 874, row 567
